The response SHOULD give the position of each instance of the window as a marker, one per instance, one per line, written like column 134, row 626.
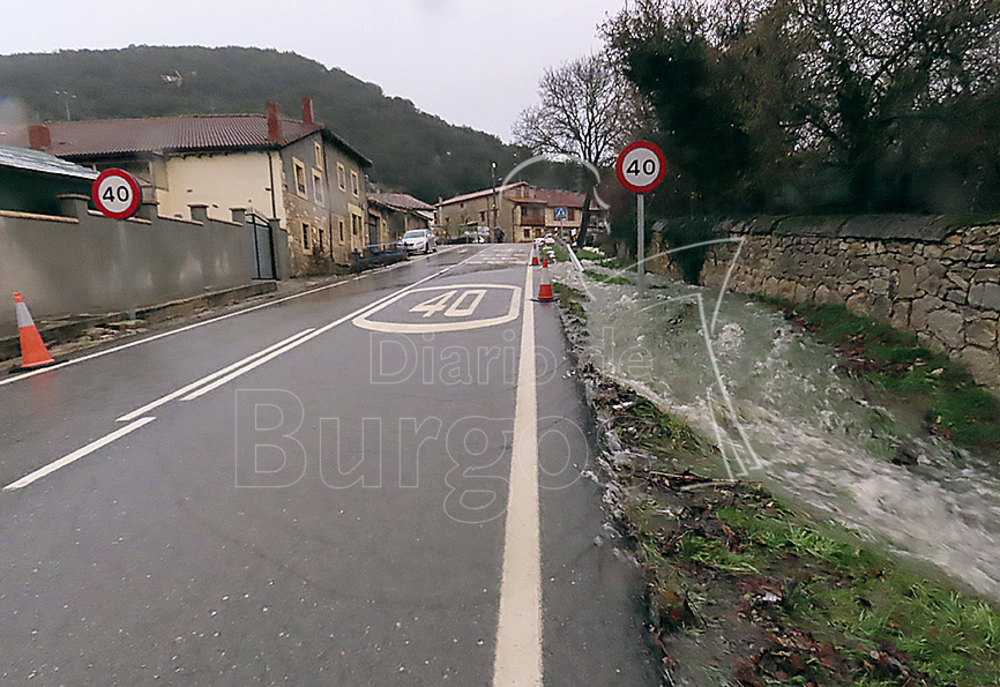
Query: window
column 300, row 177
column 571, row 214
column 318, row 187
column 341, row 225
column 319, row 155
column 305, row 236
column 355, row 224
column 355, row 184
column 320, row 240
column 341, row 177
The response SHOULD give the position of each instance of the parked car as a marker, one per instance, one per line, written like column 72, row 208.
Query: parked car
column 419, row 241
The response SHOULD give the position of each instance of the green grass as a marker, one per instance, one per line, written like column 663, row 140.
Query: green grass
column 559, row 253
column 571, row 301
column 842, row 592
column 585, row 254
column 623, row 264
column 596, row 276
column 956, row 406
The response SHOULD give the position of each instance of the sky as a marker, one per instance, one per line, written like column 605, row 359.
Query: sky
column 471, row 62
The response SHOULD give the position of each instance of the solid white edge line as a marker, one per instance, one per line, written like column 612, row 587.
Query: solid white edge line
column 193, row 385
column 77, row 454
column 518, row 658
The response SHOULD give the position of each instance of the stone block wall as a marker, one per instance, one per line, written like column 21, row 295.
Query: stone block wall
column 938, row 277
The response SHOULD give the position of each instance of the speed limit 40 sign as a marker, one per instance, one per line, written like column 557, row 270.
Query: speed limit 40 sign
column 640, row 166
column 116, row 194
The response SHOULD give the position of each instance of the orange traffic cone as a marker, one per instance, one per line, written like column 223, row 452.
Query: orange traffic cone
column 545, row 287
column 534, row 255
column 33, row 352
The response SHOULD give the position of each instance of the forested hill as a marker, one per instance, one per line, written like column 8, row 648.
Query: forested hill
column 412, row 151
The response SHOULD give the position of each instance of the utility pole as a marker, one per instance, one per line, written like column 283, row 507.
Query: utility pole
column 493, row 197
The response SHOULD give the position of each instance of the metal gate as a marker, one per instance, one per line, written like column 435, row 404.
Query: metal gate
column 262, row 266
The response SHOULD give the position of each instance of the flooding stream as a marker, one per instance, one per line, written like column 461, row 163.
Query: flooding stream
column 769, row 397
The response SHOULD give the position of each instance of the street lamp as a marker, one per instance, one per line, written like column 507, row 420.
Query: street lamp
column 67, row 97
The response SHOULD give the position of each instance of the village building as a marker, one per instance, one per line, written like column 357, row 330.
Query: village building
column 522, row 211
column 296, row 171
column 399, row 213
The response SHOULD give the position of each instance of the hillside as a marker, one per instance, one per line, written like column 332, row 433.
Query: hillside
column 412, row 151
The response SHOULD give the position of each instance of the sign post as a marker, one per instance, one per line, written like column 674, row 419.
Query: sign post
column 640, row 168
column 117, row 195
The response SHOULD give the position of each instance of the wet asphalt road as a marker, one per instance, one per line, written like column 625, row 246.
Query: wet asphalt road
column 324, row 503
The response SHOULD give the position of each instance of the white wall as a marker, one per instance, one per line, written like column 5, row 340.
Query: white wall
column 221, row 182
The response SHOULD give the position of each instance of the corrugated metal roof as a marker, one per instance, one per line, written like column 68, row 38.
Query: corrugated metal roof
column 36, row 161
column 186, row 133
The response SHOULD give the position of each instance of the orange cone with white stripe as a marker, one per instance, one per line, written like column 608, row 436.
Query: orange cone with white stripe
column 545, row 286
column 33, row 351
column 534, row 255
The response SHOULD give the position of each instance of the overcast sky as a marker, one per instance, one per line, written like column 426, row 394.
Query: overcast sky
column 471, row 62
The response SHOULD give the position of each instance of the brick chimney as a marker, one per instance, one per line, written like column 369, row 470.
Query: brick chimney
column 273, row 122
column 39, row 137
column 307, row 111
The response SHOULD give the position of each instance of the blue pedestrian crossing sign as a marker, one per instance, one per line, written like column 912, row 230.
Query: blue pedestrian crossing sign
column 561, row 213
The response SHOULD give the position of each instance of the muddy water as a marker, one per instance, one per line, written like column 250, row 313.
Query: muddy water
column 769, row 397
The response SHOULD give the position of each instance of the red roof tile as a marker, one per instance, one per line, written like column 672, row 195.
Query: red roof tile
column 481, row 194
column 169, row 134
column 186, row 133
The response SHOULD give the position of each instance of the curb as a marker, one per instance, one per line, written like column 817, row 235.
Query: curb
column 56, row 332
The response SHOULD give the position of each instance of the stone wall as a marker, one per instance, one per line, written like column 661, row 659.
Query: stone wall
column 938, row 277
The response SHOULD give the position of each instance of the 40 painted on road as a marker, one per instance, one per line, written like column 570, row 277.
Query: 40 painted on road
column 452, row 308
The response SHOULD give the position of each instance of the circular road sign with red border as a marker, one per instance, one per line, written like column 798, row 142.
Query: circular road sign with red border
column 640, row 166
column 116, row 194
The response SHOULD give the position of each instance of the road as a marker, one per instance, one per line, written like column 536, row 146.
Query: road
column 376, row 482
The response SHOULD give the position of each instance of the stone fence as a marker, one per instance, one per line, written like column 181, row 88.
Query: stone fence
column 938, row 277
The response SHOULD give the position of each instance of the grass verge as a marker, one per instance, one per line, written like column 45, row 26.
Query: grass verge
column 743, row 589
column 953, row 404
column 597, row 276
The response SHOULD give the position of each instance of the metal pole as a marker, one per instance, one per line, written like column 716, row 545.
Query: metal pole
column 641, row 245
column 126, row 271
column 491, row 216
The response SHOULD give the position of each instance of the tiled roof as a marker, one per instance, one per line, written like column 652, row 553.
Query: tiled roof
column 36, row 161
column 554, row 198
column 400, row 201
column 187, row 133
column 481, row 194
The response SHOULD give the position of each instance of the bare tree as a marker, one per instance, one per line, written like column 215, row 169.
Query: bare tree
column 587, row 110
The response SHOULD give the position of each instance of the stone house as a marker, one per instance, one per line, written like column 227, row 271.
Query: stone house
column 469, row 212
column 524, row 212
column 296, row 171
column 399, row 213
column 541, row 212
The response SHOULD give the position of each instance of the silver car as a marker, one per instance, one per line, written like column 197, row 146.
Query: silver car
column 419, row 241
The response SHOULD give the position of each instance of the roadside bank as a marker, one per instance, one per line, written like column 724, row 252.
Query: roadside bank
column 745, row 588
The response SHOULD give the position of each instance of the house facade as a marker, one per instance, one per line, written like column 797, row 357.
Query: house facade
column 524, row 212
column 400, row 213
column 296, row 171
column 473, row 212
